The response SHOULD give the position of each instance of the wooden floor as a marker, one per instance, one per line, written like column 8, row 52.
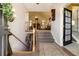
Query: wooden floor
column 45, row 46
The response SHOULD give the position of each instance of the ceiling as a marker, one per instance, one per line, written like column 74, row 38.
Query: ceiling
column 73, row 5
column 42, row 6
column 43, row 14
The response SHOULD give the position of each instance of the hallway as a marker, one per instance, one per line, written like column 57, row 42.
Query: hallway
column 48, row 40
column 45, row 43
column 47, row 46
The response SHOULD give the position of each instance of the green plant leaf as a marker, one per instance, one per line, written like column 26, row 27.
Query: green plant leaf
column 7, row 12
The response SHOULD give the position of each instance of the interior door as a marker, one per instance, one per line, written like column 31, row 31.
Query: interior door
column 67, row 27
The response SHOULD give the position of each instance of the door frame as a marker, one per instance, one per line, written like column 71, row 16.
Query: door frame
column 70, row 41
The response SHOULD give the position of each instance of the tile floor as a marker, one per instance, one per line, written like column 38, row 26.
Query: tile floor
column 73, row 48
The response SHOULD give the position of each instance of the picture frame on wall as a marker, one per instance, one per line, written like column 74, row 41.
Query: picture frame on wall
column 53, row 14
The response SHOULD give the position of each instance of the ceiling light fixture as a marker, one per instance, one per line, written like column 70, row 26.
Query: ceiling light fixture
column 37, row 3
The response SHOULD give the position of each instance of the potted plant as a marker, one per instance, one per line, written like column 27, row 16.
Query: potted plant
column 7, row 12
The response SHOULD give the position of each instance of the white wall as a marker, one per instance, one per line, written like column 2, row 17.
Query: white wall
column 57, row 26
column 18, row 27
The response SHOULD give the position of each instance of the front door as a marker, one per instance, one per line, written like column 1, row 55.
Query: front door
column 67, row 27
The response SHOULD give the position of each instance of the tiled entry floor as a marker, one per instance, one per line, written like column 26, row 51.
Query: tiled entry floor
column 73, row 48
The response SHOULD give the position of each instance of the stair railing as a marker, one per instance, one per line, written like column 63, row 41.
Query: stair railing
column 33, row 42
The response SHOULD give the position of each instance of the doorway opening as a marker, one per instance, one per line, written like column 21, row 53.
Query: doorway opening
column 74, row 46
column 67, row 27
column 40, row 19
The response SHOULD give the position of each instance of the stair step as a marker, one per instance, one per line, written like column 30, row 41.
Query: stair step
column 43, row 33
column 44, row 37
column 45, row 40
column 48, row 39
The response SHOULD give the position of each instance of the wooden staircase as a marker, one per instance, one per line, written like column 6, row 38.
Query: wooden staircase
column 44, row 36
column 30, row 45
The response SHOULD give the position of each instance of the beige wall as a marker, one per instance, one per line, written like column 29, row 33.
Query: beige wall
column 74, row 18
column 74, row 8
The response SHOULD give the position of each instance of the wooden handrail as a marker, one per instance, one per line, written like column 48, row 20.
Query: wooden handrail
column 34, row 39
column 17, row 38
